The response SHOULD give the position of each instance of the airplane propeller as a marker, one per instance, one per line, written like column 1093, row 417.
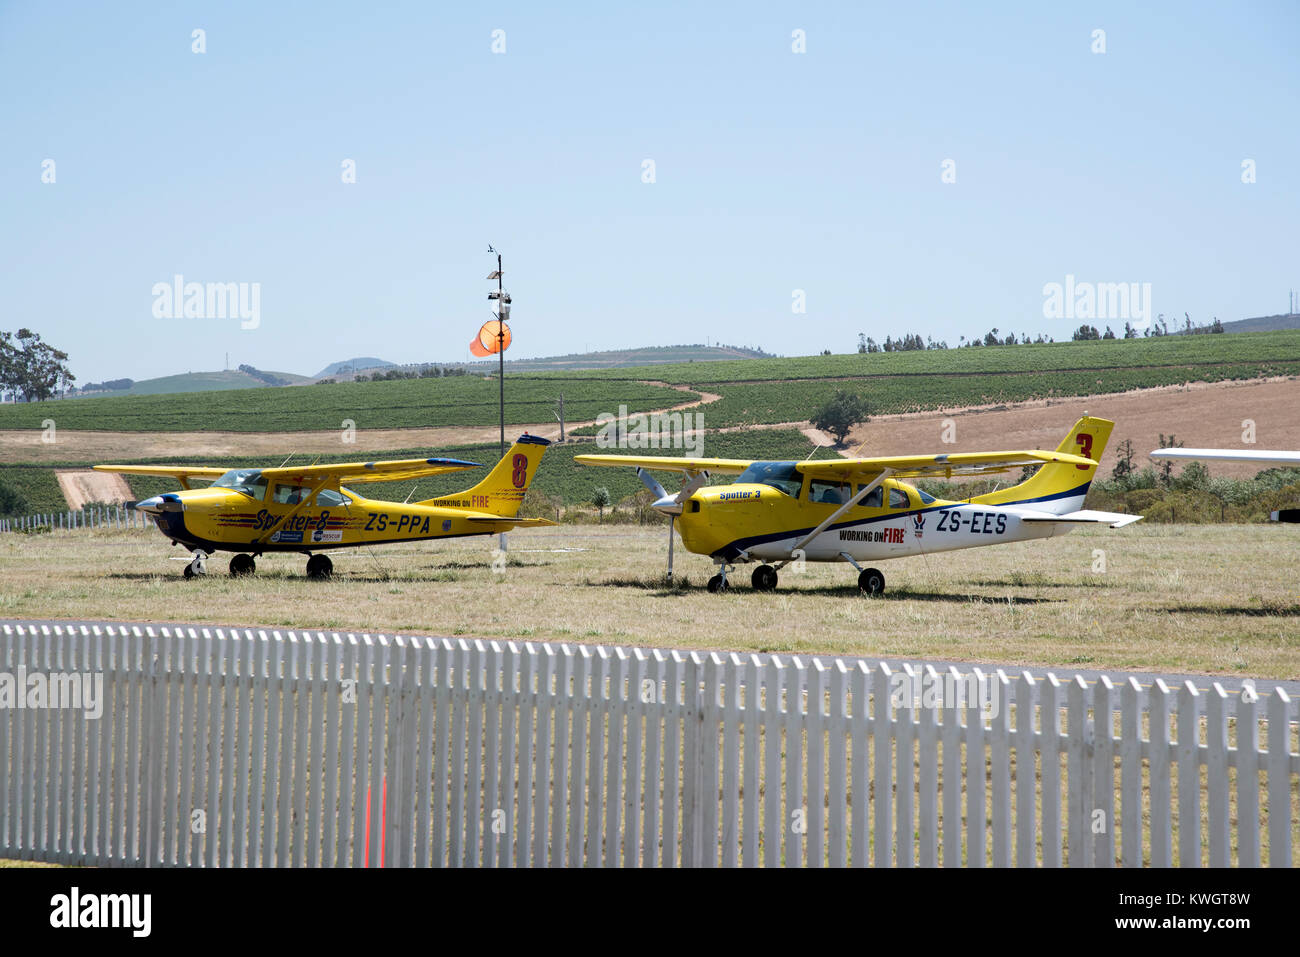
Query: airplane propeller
column 671, row 505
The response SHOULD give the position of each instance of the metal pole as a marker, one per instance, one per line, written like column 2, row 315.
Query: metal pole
column 501, row 354
column 501, row 366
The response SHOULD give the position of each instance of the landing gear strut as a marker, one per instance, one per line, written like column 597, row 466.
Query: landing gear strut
column 242, row 565
column 319, row 566
column 719, row 581
column 764, row 578
column 198, row 565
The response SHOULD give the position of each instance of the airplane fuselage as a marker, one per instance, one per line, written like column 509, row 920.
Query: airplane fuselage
column 217, row 519
column 762, row 523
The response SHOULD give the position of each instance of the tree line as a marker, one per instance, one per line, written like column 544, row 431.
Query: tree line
column 912, row 341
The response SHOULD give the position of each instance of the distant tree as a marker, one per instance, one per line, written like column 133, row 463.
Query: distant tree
column 32, row 368
column 1124, row 464
column 840, row 414
column 1216, row 326
column 1129, row 331
column 991, row 338
column 600, row 498
column 12, row 501
column 862, row 342
column 1167, row 466
column 826, row 352
column 1109, row 334
column 1085, row 333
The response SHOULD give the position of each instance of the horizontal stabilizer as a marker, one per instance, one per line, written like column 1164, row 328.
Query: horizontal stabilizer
column 1086, row 517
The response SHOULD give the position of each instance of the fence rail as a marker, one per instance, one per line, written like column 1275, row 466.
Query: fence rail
column 222, row 747
column 92, row 516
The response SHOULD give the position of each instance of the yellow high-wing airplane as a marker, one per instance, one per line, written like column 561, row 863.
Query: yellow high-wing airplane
column 307, row 509
column 857, row 510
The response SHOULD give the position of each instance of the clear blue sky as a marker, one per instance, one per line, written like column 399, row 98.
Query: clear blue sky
column 775, row 171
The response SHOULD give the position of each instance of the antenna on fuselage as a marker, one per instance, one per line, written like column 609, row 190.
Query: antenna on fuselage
column 407, row 500
column 287, row 458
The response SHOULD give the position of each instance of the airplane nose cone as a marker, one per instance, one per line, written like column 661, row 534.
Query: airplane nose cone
column 668, row 505
column 167, row 502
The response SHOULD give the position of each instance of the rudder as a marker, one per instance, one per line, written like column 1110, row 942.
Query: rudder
column 1060, row 487
column 502, row 491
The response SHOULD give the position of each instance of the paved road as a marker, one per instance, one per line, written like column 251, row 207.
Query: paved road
column 1232, row 685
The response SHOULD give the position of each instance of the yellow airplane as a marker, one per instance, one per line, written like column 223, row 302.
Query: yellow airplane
column 307, row 509
column 857, row 510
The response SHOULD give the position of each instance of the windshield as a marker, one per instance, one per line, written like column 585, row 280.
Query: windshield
column 248, row 481
column 779, row 475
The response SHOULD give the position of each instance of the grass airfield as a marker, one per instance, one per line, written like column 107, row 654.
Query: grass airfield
column 1202, row 599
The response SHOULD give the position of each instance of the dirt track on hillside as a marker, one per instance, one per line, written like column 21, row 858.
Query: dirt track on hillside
column 81, row 487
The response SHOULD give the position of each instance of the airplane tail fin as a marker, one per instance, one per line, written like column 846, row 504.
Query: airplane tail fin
column 1060, row 488
column 502, row 492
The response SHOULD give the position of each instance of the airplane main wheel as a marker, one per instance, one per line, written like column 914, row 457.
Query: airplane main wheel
column 242, row 565
column 871, row 581
column 764, row 578
column 716, row 583
column 319, row 566
column 189, row 571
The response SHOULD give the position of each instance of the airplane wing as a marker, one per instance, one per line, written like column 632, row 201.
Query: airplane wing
column 1262, row 456
column 716, row 466
column 955, row 463
column 394, row 470
column 1085, row 517
column 179, row 473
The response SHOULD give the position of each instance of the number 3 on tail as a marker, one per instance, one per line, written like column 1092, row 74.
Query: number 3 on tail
column 1085, row 448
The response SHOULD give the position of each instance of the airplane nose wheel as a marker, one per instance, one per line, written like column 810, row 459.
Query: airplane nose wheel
column 319, row 566
column 197, row 566
column 242, row 565
column 871, row 581
column 764, row 578
column 719, row 581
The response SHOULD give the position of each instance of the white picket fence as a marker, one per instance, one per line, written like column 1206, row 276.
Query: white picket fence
column 234, row 747
column 95, row 516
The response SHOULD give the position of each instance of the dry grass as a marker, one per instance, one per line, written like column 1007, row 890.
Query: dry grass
column 1209, row 599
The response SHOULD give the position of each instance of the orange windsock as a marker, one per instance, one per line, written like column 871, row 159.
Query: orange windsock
column 488, row 341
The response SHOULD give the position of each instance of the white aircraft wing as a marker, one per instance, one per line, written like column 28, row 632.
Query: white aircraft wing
column 1262, row 456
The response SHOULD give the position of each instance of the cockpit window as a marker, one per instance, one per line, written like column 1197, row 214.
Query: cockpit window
column 828, row 493
column 248, row 481
column 780, row 475
column 926, row 497
column 897, row 498
column 874, row 498
column 328, row 498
